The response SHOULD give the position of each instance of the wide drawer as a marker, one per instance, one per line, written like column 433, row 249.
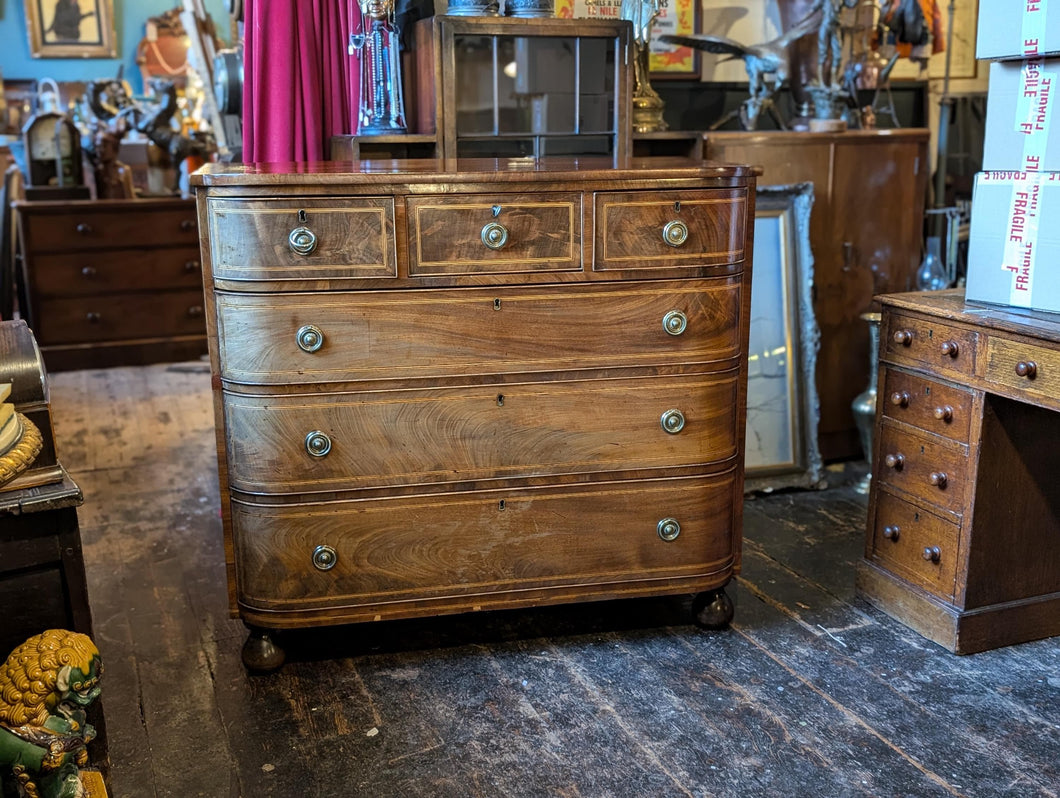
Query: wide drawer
column 302, row 238
column 916, row 545
column 474, row 544
column 1029, row 369
column 946, row 350
column 98, row 272
column 302, row 338
column 288, row 444
column 932, row 406
column 91, row 226
column 668, row 229
column 494, row 233
column 119, row 316
column 931, row 468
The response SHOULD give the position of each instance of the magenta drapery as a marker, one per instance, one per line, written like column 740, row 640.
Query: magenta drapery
column 300, row 84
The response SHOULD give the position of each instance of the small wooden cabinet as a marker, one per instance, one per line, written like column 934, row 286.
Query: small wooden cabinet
column 505, row 385
column 964, row 513
column 112, row 282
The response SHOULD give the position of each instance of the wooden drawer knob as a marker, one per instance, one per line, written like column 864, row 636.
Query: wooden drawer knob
column 88, row 271
column 944, row 413
column 949, row 348
column 195, row 311
column 903, row 337
column 1027, row 368
column 932, row 553
column 900, row 399
column 84, row 228
column 187, row 225
column 895, row 461
column 192, row 266
column 938, row 479
column 93, row 317
column 891, row 533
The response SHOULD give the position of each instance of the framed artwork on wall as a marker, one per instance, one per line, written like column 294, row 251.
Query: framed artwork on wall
column 71, row 28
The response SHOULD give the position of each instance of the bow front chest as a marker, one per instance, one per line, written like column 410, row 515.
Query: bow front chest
column 503, row 385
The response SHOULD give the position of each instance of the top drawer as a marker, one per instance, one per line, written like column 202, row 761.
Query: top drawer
column 668, row 229
column 494, row 234
column 85, row 227
column 1024, row 367
column 914, row 341
column 316, row 239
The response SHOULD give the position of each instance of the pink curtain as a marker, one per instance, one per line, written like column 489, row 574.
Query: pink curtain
column 300, row 84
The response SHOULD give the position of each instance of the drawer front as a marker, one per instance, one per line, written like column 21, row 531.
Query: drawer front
column 86, row 273
column 381, row 439
column 478, row 234
column 929, row 405
column 930, row 468
column 120, row 316
column 469, row 544
column 916, row 545
column 294, row 239
column 408, row 334
column 947, row 350
column 86, row 227
column 1030, row 369
column 668, row 229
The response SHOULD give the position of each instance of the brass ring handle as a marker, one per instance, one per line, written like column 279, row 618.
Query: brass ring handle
column 932, row 553
column 944, row 413
column 949, row 348
column 675, row 322
column 494, row 235
column 903, row 337
column 302, row 240
column 317, row 443
column 891, row 533
column 673, row 421
column 895, row 461
column 668, row 529
column 324, row 558
column 900, row 398
column 1027, row 368
column 309, row 338
column 938, row 479
column 88, row 271
column 675, row 233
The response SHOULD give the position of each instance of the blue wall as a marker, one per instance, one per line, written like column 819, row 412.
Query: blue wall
column 129, row 19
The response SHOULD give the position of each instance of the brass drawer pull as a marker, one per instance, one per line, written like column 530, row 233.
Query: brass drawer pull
column 673, row 421
column 944, row 413
column 932, row 553
column 668, row 529
column 675, row 322
column 895, row 461
column 324, row 558
column 317, row 443
column 309, row 338
column 900, row 399
column 903, row 337
column 949, row 348
column 675, row 233
column 891, row 533
column 302, row 240
column 494, row 235
column 938, row 479
column 1027, row 368
column 88, row 271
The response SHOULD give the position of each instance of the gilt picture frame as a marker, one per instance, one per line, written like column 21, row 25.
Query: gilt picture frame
column 71, row 28
column 783, row 409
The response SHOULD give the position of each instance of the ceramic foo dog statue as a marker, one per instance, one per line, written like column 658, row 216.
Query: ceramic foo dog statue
column 45, row 687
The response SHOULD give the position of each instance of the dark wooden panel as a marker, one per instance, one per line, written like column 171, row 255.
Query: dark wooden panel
column 103, row 224
column 84, row 273
column 120, row 316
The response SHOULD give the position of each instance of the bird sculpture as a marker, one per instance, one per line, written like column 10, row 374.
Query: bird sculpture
column 767, row 65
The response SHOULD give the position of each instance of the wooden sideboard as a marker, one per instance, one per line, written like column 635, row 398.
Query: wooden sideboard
column 963, row 538
column 112, row 282
column 866, row 232
column 506, row 385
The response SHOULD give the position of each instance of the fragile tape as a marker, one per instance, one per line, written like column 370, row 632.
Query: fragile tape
column 1033, row 27
column 1036, row 108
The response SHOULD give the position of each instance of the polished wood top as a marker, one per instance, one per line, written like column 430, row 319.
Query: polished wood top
column 951, row 305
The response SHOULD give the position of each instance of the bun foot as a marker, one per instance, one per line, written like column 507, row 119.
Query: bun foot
column 260, row 652
column 712, row 609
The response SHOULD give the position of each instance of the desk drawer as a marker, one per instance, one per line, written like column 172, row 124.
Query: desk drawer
column 1026, row 368
column 311, row 239
column 662, row 229
column 492, row 234
column 470, row 544
column 86, row 227
column 910, row 340
column 933, row 469
column 302, row 338
column 916, row 545
column 120, row 316
column 105, row 272
column 932, row 406
column 365, row 440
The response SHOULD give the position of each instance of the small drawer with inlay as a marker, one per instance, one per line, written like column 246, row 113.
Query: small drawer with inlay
column 915, row 544
column 911, row 340
column 928, row 467
column 932, row 406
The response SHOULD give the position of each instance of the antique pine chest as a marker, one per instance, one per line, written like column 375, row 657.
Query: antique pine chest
column 502, row 385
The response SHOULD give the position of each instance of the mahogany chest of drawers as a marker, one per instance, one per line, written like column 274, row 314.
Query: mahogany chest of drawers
column 506, row 385
column 113, row 282
column 963, row 539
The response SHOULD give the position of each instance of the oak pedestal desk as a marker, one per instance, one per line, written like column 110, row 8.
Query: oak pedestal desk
column 509, row 384
column 963, row 539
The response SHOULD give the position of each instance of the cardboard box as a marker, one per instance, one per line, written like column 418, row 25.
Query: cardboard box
column 1017, row 29
column 1022, row 130
column 1014, row 241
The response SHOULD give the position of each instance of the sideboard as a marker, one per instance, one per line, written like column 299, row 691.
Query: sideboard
column 510, row 384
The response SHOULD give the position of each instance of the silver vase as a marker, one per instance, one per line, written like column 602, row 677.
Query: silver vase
column 864, row 404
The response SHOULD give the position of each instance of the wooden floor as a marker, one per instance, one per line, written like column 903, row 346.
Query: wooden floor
column 810, row 693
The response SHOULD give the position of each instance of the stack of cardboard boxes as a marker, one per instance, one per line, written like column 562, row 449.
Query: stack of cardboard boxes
column 1014, row 245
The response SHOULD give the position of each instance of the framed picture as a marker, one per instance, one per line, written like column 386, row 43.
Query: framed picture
column 782, row 404
column 71, row 28
column 671, row 60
